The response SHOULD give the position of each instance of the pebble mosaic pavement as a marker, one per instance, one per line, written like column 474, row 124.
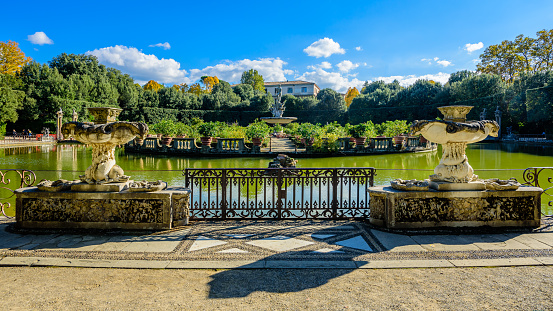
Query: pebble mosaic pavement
column 309, row 240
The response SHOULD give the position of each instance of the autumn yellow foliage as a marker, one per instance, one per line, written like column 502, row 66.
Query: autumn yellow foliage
column 350, row 95
column 152, row 86
column 11, row 58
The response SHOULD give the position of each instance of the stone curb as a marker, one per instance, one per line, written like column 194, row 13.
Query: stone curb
column 271, row 264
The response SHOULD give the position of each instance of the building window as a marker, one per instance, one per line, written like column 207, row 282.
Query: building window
column 290, row 90
column 304, row 89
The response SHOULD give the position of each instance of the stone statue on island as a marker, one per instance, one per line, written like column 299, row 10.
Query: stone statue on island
column 277, row 110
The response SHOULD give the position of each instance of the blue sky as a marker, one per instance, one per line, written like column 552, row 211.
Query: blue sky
column 336, row 44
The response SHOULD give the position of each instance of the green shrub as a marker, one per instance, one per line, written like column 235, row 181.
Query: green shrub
column 258, row 129
column 208, row 129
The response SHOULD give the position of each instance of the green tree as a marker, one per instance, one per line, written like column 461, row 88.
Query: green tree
column 253, row 78
column 69, row 64
column 245, row 91
column 11, row 99
column 510, row 59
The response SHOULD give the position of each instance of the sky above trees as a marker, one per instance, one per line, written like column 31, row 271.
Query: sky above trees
column 334, row 44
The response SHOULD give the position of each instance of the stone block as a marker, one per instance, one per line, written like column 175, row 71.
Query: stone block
column 101, row 210
column 397, row 209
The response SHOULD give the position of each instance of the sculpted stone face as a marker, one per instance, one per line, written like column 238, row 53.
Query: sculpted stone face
column 104, row 138
column 454, row 133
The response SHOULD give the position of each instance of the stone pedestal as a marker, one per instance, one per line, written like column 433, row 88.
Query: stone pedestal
column 397, row 209
column 107, row 187
column 102, row 210
column 449, row 186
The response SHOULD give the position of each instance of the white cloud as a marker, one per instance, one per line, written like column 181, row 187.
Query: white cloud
column 323, row 65
column 142, row 67
column 324, row 48
column 165, row 45
column 346, row 66
column 39, row 38
column 333, row 80
column 471, row 47
column 410, row 79
column 358, row 48
column 444, row 63
column 437, row 60
column 272, row 70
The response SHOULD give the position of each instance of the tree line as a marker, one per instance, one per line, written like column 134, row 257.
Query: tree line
column 514, row 76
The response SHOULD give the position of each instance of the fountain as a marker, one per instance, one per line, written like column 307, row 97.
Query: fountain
column 104, row 197
column 454, row 196
column 277, row 111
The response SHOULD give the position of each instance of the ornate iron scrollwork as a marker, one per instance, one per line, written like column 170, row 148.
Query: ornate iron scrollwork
column 27, row 178
column 531, row 177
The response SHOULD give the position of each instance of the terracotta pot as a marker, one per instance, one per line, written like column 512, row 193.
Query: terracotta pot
column 399, row 139
column 360, row 141
column 257, row 141
column 166, row 140
column 307, row 142
column 206, row 141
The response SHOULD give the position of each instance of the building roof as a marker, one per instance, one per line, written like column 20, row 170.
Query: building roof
column 288, row 83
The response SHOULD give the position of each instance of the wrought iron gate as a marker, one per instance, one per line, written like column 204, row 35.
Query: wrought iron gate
column 275, row 193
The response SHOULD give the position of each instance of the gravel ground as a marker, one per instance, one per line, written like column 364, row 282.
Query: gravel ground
column 506, row 288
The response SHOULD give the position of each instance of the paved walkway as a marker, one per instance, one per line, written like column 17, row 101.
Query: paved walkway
column 272, row 244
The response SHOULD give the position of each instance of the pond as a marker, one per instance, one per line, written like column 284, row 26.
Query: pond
column 490, row 160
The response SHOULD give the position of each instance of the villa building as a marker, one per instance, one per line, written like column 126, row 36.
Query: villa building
column 296, row 88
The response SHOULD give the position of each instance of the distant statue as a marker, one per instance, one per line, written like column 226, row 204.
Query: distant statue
column 278, row 107
column 75, row 116
column 497, row 114
column 498, row 119
column 59, row 123
column 483, row 115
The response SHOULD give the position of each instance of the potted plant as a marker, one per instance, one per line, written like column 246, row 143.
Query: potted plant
column 207, row 131
column 308, row 132
column 361, row 131
column 167, row 129
column 181, row 129
column 257, row 131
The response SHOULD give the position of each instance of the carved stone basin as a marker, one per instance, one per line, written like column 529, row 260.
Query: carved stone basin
column 104, row 138
column 454, row 133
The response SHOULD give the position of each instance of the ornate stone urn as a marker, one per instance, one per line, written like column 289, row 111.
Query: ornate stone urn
column 104, row 135
column 454, row 133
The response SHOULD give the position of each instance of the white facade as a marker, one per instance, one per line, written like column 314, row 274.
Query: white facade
column 296, row 88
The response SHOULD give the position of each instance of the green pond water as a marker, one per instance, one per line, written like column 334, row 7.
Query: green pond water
column 489, row 160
